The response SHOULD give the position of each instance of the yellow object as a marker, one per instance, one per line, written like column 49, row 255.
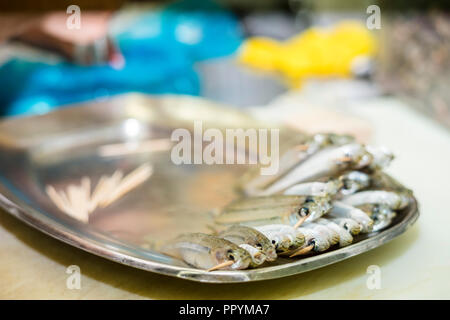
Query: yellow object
column 314, row 53
column 261, row 53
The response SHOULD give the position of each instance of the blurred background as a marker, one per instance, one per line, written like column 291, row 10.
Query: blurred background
column 377, row 69
column 243, row 53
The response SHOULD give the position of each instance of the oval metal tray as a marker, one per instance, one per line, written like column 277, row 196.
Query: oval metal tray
column 95, row 139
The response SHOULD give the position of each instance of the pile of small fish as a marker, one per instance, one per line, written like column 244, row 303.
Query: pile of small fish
column 328, row 190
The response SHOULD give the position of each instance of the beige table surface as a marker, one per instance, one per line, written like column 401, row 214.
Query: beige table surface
column 415, row 265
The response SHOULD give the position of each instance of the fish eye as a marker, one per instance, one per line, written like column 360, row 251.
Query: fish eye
column 274, row 242
column 304, row 211
column 230, row 254
column 259, row 245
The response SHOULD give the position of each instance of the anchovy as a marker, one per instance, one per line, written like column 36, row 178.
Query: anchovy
column 343, row 210
column 394, row 200
column 273, row 210
column 326, row 162
column 204, row 251
column 251, row 237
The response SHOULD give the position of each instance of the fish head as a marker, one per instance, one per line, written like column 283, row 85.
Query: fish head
column 380, row 214
column 330, row 139
column 352, row 226
column 313, row 207
column 382, row 156
column 281, row 243
column 296, row 243
column 354, row 181
column 376, row 210
column 320, row 244
column 382, row 210
column 239, row 256
column 367, row 226
column 299, row 238
column 332, row 187
column 307, row 209
column 266, row 247
column 271, row 253
column 381, row 223
column 353, row 155
column 339, row 139
column 364, row 220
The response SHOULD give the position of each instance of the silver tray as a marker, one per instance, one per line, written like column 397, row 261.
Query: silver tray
column 60, row 147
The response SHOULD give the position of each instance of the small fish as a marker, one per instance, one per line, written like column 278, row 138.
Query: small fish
column 321, row 189
column 204, row 251
column 343, row 210
column 322, row 140
column 277, row 209
column 251, row 237
column 326, row 162
column 395, row 200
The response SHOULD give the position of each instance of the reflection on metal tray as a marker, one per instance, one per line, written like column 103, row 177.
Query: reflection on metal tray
column 61, row 147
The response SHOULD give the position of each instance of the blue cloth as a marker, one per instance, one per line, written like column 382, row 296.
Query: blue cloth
column 160, row 48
